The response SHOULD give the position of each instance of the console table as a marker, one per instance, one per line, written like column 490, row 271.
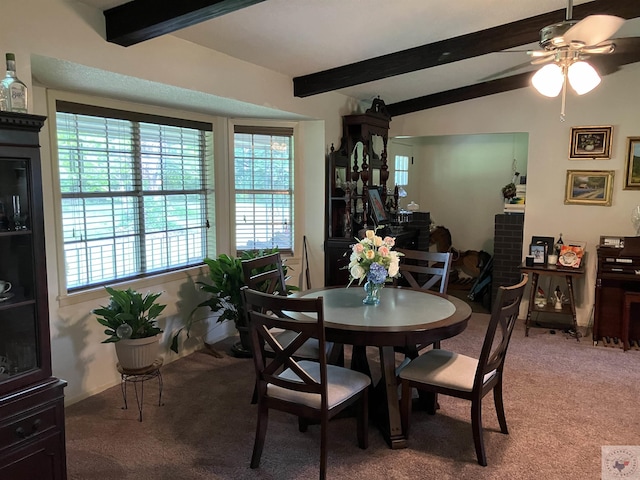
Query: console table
column 539, row 312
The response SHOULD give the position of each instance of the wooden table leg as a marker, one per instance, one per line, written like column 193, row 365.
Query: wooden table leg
column 359, row 361
column 572, row 303
column 532, row 300
column 393, row 431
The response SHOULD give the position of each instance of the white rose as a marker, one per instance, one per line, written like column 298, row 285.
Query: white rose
column 394, row 268
column 357, row 272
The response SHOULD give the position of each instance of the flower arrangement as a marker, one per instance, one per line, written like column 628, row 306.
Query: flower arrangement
column 372, row 258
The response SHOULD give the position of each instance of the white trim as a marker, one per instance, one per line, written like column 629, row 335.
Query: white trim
column 64, row 298
column 146, row 282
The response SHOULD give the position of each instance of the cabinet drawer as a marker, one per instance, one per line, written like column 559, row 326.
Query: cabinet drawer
column 23, row 428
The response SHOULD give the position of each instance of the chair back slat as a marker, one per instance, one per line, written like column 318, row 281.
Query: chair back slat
column 266, row 311
column 265, row 274
column 426, row 270
column 503, row 319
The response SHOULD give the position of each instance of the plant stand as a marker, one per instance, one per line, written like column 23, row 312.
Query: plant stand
column 139, row 376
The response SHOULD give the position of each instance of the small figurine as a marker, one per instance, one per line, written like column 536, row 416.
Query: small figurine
column 558, row 299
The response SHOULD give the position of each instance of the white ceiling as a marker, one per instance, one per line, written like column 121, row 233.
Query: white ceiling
column 301, row 37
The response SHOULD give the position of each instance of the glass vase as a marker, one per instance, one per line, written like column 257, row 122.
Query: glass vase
column 373, row 293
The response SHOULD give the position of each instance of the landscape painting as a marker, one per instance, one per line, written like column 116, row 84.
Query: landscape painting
column 589, row 187
column 632, row 170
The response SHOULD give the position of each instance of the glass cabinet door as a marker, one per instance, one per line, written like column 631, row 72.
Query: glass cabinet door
column 18, row 290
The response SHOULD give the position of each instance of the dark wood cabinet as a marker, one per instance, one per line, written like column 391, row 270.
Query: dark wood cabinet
column 616, row 275
column 31, row 400
column 356, row 167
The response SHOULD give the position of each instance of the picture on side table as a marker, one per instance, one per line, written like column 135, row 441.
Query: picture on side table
column 539, row 253
column 632, row 170
column 590, row 143
column 376, row 207
column 589, row 187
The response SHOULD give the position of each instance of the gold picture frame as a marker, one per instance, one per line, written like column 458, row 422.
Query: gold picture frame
column 590, row 143
column 632, row 168
column 589, row 187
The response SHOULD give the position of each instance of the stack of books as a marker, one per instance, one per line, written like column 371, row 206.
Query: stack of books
column 516, row 204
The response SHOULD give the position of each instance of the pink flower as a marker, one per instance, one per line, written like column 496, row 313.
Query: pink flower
column 358, row 248
column 384, row 251
column 389, row 241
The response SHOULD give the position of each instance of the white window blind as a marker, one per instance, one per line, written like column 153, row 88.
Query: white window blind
column 401, row 170
column 134, row 194
column 263, row 187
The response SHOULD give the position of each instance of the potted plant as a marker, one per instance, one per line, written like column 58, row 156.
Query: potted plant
column 130, row 319
column 227, row 278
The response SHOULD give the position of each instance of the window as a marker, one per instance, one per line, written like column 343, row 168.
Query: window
column 263, row 158
column 401, row 170
column 134, row 193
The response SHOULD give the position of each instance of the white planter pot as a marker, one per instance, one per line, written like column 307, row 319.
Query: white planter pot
column 137, row 353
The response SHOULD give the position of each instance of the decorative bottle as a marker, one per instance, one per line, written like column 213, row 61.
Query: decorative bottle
column 558, row 245
column 16, row 90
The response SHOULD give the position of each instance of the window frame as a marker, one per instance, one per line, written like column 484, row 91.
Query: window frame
column 404, row 171
column 271, row 128
column 68, row 296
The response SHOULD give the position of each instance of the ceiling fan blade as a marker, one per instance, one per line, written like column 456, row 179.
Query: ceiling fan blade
column 594, row 29
column 605, row 47
column 627, row 51
column 502, row 73
column 626, row 45
column 541, row 53
column 541, row 60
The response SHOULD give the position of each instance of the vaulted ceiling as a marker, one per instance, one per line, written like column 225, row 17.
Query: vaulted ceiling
column 414, row 54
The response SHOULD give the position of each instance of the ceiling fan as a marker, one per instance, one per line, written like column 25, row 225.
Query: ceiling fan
column 565, row 48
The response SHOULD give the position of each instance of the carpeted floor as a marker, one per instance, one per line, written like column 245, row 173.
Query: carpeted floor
column 564, row 400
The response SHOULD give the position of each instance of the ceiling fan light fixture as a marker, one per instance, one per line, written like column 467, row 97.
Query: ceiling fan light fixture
column 583, row 77
column 548, row 80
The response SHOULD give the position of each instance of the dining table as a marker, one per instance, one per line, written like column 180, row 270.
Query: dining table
column 405, row 317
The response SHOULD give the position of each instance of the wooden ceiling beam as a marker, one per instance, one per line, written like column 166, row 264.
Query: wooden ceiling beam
column 461, row 94
column 629, row 52
column 493, row 39
column 141, row 20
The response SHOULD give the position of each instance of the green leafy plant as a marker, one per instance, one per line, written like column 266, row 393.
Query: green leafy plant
column 226, row 279
column 129, row 315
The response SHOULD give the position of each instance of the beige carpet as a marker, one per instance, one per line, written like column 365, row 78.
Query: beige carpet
column 563, row 400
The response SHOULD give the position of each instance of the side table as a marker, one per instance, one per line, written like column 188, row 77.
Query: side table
column 568, row 274
column 139, row 376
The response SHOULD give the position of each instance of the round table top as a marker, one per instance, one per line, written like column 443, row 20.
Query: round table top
column 400, row 309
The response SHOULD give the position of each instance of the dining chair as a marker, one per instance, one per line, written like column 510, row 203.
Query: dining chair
column 266, row 274
column 445, row 372
column 314, row 391
column 425, row 271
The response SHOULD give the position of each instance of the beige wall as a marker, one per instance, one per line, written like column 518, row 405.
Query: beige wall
column 68, row 39
column 458, row 180
column 612, row 103
column 72, row 37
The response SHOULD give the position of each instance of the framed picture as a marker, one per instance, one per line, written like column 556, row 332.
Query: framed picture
column 589, row 187
column 632, row 170
column 590, row 143
column 539, row 253
column 548, row 243
column 376, row 209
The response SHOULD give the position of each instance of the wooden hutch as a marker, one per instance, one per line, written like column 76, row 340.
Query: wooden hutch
column 358, row 166
column 32, row 440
